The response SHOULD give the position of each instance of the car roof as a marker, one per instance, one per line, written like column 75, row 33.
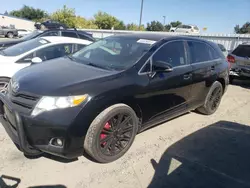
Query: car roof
column 59, row 39
column 157, row 36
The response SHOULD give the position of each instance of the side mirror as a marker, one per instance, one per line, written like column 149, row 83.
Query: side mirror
column 161, row 66
column 36, row 60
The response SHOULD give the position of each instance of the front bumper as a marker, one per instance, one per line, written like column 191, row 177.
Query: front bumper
column 33, row 136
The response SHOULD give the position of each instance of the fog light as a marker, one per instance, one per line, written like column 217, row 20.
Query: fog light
column 59, row 142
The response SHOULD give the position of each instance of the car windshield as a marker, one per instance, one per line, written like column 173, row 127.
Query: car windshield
column 32, row 35
column 117, row 53
column 24, row 47
column 242, row 51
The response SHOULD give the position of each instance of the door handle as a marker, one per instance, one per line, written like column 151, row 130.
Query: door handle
column 187, row 76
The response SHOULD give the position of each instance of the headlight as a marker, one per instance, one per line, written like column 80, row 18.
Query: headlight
column 51, row 103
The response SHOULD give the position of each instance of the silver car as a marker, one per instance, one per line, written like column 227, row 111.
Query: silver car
column 239, row 60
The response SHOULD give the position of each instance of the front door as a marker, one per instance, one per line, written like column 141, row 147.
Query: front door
column 167, row 92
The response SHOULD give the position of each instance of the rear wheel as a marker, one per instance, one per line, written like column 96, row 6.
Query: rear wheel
column 213, row 99
column 111, row 133
column 10, row 35
column 4, row 82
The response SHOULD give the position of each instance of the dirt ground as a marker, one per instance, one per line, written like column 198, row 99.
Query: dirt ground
column 190, row 150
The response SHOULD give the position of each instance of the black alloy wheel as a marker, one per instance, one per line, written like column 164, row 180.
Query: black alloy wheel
column 111, row 133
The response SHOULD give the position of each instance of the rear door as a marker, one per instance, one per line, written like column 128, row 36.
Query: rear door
column 204, row 61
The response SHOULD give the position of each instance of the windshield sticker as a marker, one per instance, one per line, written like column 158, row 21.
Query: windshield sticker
column 43, row 41
column 145, row 41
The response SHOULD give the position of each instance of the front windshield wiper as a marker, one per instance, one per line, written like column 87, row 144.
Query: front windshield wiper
column 98, row 66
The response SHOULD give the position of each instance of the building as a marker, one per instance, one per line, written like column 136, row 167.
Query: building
column 18, row 23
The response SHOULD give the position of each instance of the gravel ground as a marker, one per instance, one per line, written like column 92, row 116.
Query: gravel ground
column 138, row 168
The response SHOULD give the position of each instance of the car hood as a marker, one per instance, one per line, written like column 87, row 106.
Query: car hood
column 59, row 77
column 6, row 59
column 7, row 43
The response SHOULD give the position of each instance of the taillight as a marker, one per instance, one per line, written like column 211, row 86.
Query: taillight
column 230, row 59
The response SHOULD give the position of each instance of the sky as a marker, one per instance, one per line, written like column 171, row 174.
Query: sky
column 218, row 16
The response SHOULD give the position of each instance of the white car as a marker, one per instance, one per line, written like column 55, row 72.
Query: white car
column 37, row 50
column 23, row 32
column 187, row 29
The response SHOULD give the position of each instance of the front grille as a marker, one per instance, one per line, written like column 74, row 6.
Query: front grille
column 24, row 103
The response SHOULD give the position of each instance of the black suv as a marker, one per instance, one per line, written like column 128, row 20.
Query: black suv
column 98, row 99
column 53, row 32
column 50, row 24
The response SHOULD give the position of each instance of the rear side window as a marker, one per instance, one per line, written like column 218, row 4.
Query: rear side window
column 69, row 34
column 242, row 51
column 196, row 28
column 201, row 52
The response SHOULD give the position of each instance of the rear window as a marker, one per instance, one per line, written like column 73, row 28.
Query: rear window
column 222, row 48
column 196, row 28
column 24, row 47
column 242, row 51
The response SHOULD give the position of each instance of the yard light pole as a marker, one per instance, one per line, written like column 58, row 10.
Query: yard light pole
column 164, row 18
column 141, row 13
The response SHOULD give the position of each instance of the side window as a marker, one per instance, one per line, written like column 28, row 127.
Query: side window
column 54, row 51
column 200, row 52
column 78, row 47
column 26, row 59
column 69, row 34
column 172, row 53
column 146, row 68
column 50, row 33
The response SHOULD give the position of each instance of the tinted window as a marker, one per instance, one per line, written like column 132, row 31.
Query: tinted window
column 196, row 28
column 69, row 34
column 201, row 52
column 50, row 33
column 242, row 51
column 222, row 48
column 113, row 52
column 172, row 53
column 54, row 51
column 24, row 47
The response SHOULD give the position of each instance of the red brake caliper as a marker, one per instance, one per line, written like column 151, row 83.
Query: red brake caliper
column 107, row 126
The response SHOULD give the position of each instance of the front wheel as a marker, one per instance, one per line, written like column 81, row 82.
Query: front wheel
column 4, row 82
column 111, row 133
column 213, row 99
column 10, row 35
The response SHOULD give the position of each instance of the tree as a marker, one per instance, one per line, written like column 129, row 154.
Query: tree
column 66, row 16
column 175, row 23
column 29, row 13
column 83, row 23
column 242, row 30
column 155, row 26
column 134, row 27
column 104, row 20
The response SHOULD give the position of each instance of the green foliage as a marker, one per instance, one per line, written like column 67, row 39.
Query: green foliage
column 242, row 30
column 135, row 27
column 175, row 24
column 66, row 16
column 83, row 23
column 29, row 13
column 104, row 20
column 155, row 26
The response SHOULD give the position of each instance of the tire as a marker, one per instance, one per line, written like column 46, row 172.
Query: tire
column 212, row 100
column 94, row 144
column 231, row 78
column 10, row 35
column 4, row 84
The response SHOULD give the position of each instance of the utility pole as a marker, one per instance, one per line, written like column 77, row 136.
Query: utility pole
column 141, row 13
column 164, row 19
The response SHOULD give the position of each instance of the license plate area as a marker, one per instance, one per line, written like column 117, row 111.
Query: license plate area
column 8, row 115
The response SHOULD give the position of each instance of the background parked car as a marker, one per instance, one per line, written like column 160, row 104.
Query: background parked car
column 8, row 32
column 187, row 29
column 23, row 32
column 53, row 32
column 50, row 24
column 239, row 60
column 37, row 50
